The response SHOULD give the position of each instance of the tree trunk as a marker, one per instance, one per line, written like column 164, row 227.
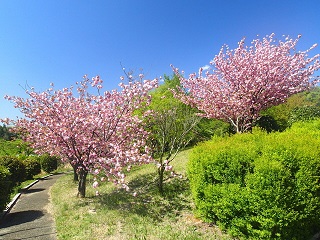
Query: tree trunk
column 82, row 182
column 161, row 176
column 75, row 174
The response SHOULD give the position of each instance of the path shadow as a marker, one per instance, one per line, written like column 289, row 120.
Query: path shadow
column 40, row 230
column 32, row 190
column 18, row 218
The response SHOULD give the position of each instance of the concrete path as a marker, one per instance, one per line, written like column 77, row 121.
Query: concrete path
column 30, row 217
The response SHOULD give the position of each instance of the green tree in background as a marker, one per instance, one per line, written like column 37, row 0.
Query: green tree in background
column 278, row 118
column 5, row 133
column 174, row 126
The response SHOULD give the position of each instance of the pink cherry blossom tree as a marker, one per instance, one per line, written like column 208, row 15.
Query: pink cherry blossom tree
column 94, row 132
column 246, row 80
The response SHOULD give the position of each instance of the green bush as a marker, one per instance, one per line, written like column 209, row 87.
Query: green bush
column 258, row 186
column 304, row 113
column 48, row 163
column 220, row 162
column 32, row 165
column 16, row 168
column 5, row 187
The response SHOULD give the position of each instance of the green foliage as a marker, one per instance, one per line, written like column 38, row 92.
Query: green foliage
column 48, row 163
column 304, row 113
column 162, row 97
column 14, row 148
column 219, row 162
column 260, row 186
column 313, row 96
column 207, row 128
column 278, row 118
column 5, row 186
column 5, row 133
column 32, row 165
column 16, row 168
column 171, row 125
column 269, row 124
column 164, row 100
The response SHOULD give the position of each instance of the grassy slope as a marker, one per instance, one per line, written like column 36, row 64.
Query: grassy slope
column 117, row 214
column 10, row 148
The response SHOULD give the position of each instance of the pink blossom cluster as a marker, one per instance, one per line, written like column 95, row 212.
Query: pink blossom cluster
column 98, row 133
column 97, row 81
column 246, row 80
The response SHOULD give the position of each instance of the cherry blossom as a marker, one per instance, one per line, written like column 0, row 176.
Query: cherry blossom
column 248, row 79
column 95, row 133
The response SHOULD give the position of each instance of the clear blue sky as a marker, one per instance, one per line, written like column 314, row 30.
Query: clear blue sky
column 61, row 40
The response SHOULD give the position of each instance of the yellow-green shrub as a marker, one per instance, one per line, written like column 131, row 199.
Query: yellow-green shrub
column 258, row 186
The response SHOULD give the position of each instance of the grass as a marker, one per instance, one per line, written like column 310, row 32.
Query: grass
column 117, row 214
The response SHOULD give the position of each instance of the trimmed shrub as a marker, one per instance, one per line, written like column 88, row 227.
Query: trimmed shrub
column 16, row 168
column 48, row 163
column 275, row 195
column 5, row 187
column 220, row 162
column 32, row 165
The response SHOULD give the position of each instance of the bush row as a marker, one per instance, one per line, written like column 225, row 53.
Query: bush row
column 14, row 170
column 260, row 186
column 5, row 187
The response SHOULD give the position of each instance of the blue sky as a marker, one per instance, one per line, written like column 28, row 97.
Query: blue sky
column 61, row 40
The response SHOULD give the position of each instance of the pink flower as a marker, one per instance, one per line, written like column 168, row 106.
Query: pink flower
column 95, row 184
column 168, row 168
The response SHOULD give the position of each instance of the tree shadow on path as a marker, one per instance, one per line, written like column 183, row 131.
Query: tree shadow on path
column 18, row 218
column 33, row 190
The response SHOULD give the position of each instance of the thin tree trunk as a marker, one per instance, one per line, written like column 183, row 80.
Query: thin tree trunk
column 161, row 176
column 82, row 182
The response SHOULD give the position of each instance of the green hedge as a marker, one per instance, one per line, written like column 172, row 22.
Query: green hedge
column 32, row 165
column 16, row 168
column 260, row 186
column 48, row 163
column 5, row 187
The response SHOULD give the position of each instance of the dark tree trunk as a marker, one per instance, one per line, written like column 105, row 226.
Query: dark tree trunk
column 82, row 174
column 161, row 176
column 75, row 174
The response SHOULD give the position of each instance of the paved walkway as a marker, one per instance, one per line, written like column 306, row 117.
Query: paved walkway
column 30, row 217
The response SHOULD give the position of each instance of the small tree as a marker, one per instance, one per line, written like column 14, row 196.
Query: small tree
column 247, row 80
column 171, row 124
column 92, row 132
